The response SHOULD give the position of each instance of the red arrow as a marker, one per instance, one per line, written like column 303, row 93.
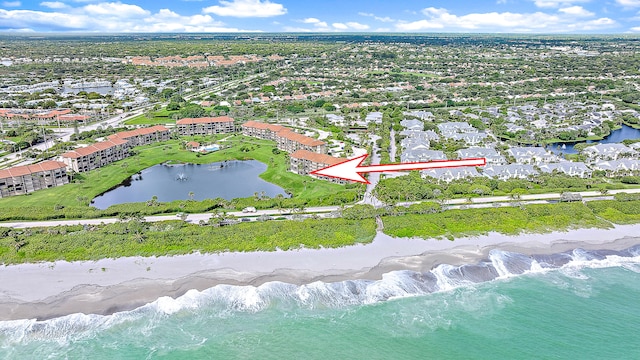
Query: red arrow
column 351, row 169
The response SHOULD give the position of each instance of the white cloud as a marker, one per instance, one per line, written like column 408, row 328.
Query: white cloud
column 317, row 23
column 635, row 29
column 109, row 17
column 538, row 22
column 628, row 3
column 382, row 19
column 557, row 3
column 54, row 5
column 246, row 8
column 340, row 26
column 11, row 3
column 116, row 9
column 357, row 26
column 576, row 11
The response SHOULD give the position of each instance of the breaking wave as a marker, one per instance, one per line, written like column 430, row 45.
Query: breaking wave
column 226, row 300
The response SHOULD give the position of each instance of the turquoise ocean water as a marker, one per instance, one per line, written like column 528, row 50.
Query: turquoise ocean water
column 574, row 305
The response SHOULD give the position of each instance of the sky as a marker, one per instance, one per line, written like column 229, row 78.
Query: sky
column 413, row 16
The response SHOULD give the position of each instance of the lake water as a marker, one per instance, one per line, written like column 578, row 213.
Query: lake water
column 617, row 136
column 227, row 180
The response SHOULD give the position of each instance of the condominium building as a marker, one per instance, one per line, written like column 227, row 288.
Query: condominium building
column 303, row 162
column 290, row 141
column 286, row 139
column 205, row 126
column 143, row 136
column 24, row 179
column 261, row 130
column 96, row 155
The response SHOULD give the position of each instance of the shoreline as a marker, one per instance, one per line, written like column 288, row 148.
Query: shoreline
column 48, row 290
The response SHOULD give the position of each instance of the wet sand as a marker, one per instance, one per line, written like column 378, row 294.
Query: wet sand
column 47, row 290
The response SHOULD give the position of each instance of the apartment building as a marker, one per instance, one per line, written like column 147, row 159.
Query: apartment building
column 261, row 130
column 285, row 138
column 303, row 162
column 143, row 136
column 205, row 126
column 96, row 155
column 290, row 142
column 24, row 179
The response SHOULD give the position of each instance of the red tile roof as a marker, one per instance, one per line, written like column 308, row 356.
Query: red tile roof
column 299, row 138
column 138, row 132
column 30, row 169
column 73, row 117
column 88, row 150
column 204, row 120
column 255, row 124
column 316, row 158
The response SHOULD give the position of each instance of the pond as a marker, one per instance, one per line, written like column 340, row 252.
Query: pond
column 616, row 136
column 227, row 180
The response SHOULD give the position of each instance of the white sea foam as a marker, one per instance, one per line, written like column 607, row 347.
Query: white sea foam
column 228, row 299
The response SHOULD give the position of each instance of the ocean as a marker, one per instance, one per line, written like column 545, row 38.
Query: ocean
column 574, row 305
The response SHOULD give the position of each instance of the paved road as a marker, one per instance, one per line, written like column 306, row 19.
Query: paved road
column 193, row 218
column 374, row 177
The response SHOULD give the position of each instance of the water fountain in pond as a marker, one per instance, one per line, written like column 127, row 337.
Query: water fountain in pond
column 181, row 177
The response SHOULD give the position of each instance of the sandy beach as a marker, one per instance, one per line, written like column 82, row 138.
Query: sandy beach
column 47, row 290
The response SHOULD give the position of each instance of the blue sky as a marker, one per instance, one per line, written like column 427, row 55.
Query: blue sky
column 468, row 16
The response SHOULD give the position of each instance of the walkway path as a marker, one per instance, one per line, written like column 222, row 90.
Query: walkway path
column 452, row 204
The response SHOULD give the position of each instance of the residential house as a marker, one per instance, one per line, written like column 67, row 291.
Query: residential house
column 420, row 114
column 472, row 138
column 420, row 135
column 570, row 168
column 96, row 155
column 375, row 117
column 29, row 178
column 607, row 151
column 619, row 167
column 491, row 155
column 337, row 120
column 143, row 136
column 531, row 155
column 413, row 125
column 449, row 128
column 450, row 174
column 205, row 126
column 511, row 171
column 421, row 155
column 303, row 162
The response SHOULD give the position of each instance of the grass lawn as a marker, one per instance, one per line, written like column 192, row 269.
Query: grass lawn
column 156, row 120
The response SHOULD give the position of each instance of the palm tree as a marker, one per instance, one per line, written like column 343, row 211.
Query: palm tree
column 139, row 237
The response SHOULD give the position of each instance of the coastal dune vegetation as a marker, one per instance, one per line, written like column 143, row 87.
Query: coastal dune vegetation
column 133, row 236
